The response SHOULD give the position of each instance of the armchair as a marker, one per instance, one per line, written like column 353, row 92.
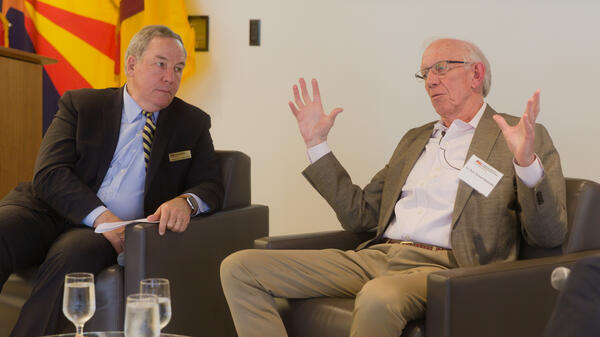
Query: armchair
column 497, row 300
column 190, row 260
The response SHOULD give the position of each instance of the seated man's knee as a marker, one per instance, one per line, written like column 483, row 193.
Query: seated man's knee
column 80, row 250
column 233, row 267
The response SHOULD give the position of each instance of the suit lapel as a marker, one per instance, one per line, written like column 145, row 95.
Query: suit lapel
column 111, row 122
column 164, row 131
column 483, row 141
column 399, row 170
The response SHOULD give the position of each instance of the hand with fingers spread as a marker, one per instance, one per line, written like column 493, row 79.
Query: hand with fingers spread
column 173, row 214
column 520, row 138
column 314, row 124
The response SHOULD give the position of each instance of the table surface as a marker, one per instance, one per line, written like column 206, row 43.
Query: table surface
column 108, row 334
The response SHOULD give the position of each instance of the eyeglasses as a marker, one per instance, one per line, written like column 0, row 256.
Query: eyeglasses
column 440, row 69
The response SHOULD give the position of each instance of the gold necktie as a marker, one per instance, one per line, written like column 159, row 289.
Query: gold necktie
column 148, row 135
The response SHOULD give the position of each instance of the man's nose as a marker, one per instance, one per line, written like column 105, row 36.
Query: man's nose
column 169, row 75
column 432, row 79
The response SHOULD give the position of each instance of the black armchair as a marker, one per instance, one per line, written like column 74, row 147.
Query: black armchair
column 190, row 260
column 504, row 299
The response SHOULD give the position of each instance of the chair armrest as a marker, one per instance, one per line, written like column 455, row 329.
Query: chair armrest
column 191, row 261
column 332, row 239
column 110, row 302
column 503, row 299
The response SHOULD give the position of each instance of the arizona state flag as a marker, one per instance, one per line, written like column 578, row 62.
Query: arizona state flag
column 135, row 14
column 87, row 37
column 79, row 34
column 3, row 31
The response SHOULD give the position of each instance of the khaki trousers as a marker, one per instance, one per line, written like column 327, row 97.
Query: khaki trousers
column 389, row 282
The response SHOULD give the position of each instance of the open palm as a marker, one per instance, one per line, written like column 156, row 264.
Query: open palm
column 520, row 138
column 314, row 124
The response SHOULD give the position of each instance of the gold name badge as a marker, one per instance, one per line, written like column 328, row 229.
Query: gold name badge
column 177, row 156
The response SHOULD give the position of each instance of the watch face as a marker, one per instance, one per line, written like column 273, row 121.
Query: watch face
column 192, row 202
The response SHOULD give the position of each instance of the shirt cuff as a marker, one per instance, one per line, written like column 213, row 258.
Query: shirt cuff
column 316, row 152
column 90, row 218
column 202, row 206
column 531, row 174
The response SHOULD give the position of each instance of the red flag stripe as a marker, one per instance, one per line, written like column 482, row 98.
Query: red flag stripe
column 129, row 8
column 64, row 76
column 96, row 33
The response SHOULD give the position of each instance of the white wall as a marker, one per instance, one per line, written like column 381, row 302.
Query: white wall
column 364, row 53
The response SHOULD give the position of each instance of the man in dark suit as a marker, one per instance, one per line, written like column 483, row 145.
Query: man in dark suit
column 456, row 192
column 109, row 155
column 578, row 306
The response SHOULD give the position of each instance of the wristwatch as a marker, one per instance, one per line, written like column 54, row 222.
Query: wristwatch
column 191, row 201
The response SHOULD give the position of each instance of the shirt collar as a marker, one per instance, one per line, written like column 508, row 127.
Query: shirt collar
column 440, row 127
column 131, row 109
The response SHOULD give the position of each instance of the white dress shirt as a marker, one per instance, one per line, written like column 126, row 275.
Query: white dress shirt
column 424, row 211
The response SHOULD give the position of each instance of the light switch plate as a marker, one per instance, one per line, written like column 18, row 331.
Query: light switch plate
column 255, row 32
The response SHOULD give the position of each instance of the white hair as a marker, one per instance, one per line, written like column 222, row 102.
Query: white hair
column 474, row 54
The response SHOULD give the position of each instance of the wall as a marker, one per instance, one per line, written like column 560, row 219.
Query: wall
column 364, row 53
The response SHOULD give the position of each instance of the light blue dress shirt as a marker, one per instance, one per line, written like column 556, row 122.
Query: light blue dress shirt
column 122, row 190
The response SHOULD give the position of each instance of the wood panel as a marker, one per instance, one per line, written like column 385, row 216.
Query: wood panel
column 21, row 120
column 20, row 115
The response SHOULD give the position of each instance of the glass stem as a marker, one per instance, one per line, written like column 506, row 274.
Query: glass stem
column 79, row 328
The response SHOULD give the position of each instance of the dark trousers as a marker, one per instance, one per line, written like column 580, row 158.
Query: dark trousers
column 577, row 310
column 29, row 238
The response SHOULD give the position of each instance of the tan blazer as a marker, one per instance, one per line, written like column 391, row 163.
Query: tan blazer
column 484, row 230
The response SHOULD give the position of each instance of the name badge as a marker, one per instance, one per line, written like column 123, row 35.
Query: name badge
column 480, row 175
column 181, row 155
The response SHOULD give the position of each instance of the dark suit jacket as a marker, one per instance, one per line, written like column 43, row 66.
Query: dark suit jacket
column 484, row 230
column 578, row 306
column 78, row 147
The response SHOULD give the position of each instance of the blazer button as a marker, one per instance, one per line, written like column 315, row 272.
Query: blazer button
column 540, row 198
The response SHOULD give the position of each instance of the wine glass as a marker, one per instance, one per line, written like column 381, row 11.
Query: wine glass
column 141, row 316
column 79, row 299
column 160, row 288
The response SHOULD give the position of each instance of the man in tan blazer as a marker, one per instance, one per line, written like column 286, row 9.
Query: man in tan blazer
column 423, row 204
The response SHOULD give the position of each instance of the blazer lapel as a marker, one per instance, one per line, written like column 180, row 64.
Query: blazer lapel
column 111, row 122
column 483, row 141
column 398, row 172
column 164, row 131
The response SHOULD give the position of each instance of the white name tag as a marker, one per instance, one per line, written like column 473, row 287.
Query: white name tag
column 480, row 175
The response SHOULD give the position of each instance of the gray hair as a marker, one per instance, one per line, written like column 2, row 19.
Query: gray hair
column 476, row 55
column 139, row 42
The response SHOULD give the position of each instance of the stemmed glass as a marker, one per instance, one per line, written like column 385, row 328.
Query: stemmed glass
column 160, row 288
column 79, row 299
column 141, row 316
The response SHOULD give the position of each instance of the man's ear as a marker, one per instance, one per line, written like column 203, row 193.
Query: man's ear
column 478, row 74
column 130, row 64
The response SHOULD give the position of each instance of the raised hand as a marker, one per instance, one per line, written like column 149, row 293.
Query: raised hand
column 314, row 124
column 521, row 136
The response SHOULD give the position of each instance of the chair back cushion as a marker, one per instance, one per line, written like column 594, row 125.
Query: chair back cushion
column 583, row 216
column 235, row 172
column 583, row 211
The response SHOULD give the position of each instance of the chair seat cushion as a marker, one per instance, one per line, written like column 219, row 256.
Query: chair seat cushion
column 327, row 316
